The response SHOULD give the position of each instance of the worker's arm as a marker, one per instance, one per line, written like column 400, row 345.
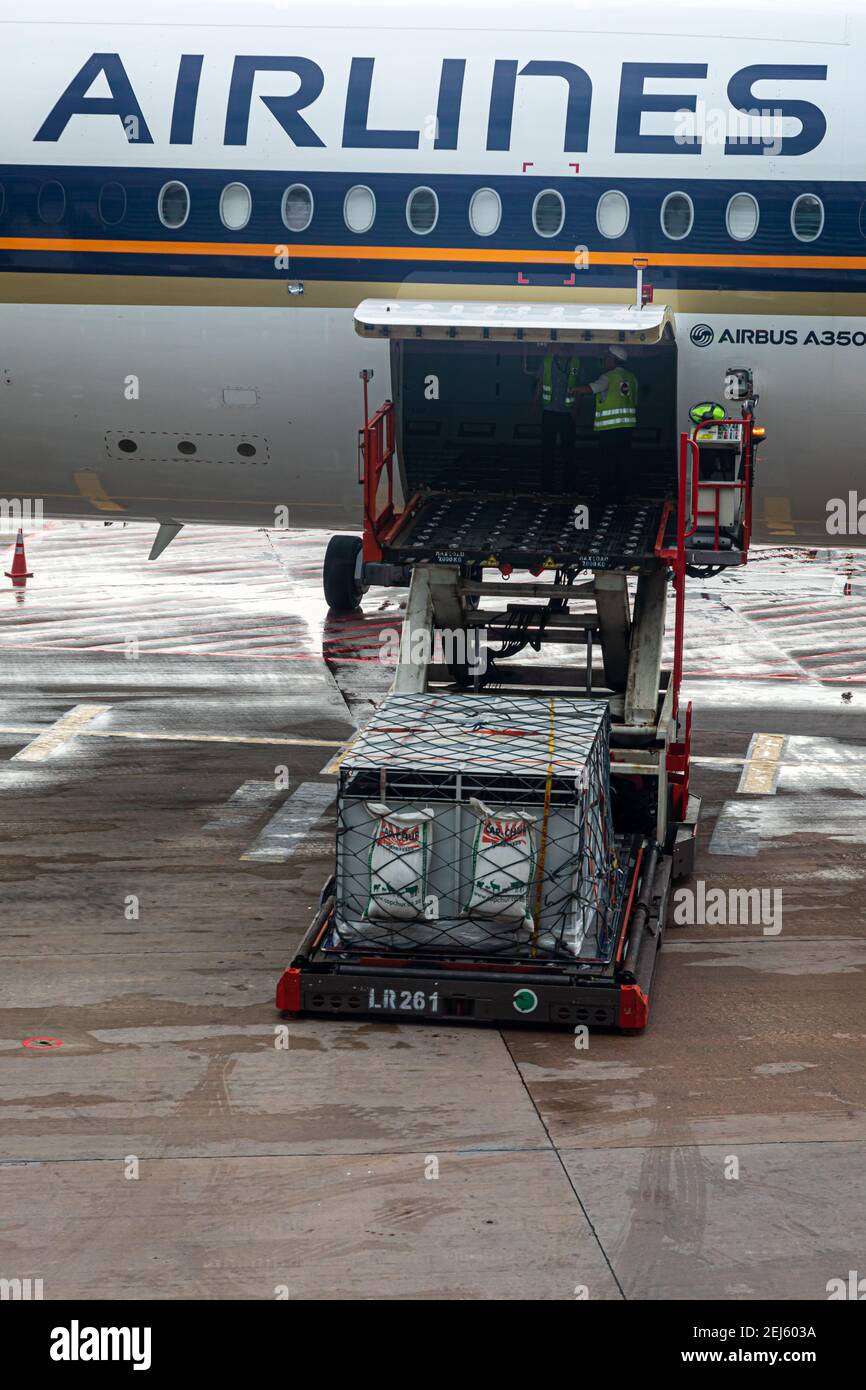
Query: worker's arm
column 593, row 388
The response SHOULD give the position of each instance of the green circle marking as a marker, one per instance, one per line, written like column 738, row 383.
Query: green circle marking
column 525, row 1001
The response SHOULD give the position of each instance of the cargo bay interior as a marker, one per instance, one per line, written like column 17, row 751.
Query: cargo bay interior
column 470, row 418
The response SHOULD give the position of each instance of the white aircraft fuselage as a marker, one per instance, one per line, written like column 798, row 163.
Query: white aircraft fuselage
column 193, row 202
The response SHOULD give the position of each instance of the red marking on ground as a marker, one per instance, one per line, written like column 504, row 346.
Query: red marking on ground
column 42, row 1042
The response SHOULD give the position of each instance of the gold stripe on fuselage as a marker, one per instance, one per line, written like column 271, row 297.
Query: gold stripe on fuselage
column 32, row 287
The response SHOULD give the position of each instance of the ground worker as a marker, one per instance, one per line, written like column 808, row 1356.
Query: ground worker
column 556, row 386
column 615, row 394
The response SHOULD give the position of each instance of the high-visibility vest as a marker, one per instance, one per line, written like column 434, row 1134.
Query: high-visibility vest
column 618, row 409
column 547, row 379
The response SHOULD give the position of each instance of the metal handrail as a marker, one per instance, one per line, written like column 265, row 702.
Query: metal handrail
column 376, row 453
column 742, row 485
column 688, row 450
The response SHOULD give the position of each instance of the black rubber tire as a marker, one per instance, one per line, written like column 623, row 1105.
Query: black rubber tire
column 342, row 591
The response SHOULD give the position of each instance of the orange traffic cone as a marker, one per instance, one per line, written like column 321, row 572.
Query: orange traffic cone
column 19, row 568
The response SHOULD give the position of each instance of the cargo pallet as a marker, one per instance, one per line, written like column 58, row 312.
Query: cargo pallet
column 511, row 991
column 442, row 540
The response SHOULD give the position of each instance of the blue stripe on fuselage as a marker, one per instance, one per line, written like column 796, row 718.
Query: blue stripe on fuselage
column 842, row 235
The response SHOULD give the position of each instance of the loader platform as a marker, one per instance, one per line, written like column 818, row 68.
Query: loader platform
column 532, row 533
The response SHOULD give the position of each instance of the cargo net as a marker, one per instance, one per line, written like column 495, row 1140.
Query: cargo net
column 478, row 825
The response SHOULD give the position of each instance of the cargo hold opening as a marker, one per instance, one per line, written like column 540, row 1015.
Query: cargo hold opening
column 484, row 431
column 466, row 381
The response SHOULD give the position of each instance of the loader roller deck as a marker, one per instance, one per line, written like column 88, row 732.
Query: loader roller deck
column 527, row 532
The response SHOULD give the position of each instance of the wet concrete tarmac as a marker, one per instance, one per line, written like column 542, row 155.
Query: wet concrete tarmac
column 172, row 1146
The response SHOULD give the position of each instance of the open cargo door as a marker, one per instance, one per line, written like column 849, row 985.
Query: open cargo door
column 465, row 382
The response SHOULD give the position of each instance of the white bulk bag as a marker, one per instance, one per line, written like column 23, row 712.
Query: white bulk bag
column 503, row 865
column 399, row 856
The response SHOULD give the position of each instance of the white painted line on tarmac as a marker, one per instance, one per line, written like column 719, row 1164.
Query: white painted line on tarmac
column 58, row 733
column 243, row 807
column 761, row 769
column 159, row 736
column 737, row 830
column 288, row 830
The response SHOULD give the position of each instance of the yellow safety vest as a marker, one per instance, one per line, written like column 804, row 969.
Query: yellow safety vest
column 618, row 409
column 547, row 381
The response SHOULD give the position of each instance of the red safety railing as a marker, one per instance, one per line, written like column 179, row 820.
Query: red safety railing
column 741, row 486
column 679, row 749
column 376, row 455
column 688, row 514
column 686, row 524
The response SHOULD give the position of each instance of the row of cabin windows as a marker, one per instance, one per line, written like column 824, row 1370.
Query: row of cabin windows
column 422, row 210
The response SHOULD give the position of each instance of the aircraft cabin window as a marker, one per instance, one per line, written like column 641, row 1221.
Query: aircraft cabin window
column 236, row 206
column 297, row 210
column 807, row 217
column 548, row 213
column 173, row 205
column 112, row 204
column 422, row 210
column 2, row 200
column 612, row 213
column 359, row 209
column 52, row 202
column 485, row 211
column 678, row 215
column 742, row 217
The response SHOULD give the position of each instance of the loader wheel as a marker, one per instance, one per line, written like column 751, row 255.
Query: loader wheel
column 342, row 590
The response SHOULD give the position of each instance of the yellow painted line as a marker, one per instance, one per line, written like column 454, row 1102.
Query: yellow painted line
column 157, row 737
column 542, row 849
column 91, row 486
column 333, row 767
column 59, row 733
column 777, row 515
column 263, row 505
column 761, row 769
column 28, row 730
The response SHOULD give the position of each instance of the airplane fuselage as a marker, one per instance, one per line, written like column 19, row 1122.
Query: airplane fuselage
column 191, row 208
